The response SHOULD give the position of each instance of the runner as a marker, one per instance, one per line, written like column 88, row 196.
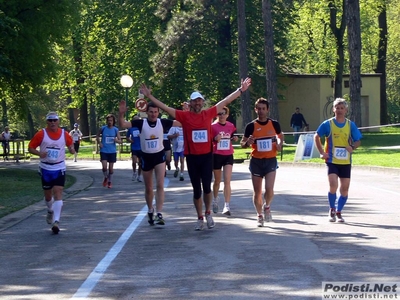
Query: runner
column 223, row 131
column 342, row 137
column 196, row 125
column 153, row 155
column 52, row 141
column 265, row 137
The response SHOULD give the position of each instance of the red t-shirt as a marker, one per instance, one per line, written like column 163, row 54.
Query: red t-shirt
column 197, row 130
column 38, row 138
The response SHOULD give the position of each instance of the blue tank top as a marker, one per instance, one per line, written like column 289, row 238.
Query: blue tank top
column 108, row 136
column 134, row 134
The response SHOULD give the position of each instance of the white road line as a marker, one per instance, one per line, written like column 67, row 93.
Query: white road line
column 94, row 277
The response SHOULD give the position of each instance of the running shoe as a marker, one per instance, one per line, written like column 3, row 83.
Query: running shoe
column 215, row 205
column 159, row 219
column 181, row 178
column 139, row 178
column 49, row 217
column 150, row 216
column 226, row 211
column 260, row 221
column 134, row 177
column 109, row 185
column 55, row 227
column 199, row 224
column 105, row 181
column 332, row 215
column 339, row 217
column 210, row 221
column 267, row 214
column 176, row 172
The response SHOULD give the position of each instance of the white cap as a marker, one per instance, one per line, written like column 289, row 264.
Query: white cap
column 76, row 125
column 196, row 95
column 52, row 116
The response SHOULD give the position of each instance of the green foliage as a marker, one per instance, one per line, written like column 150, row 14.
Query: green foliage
column 71, row 54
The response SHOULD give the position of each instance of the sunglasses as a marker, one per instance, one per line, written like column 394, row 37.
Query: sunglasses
column 221, row 114
column 52, row 120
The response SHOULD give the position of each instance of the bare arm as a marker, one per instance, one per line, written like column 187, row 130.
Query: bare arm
column 279, row 142
column 118, row 138
column 98, row 138
column 177, row 123
column 244, row 86
column 121, row 115
column 318, row 143
column 147, row 92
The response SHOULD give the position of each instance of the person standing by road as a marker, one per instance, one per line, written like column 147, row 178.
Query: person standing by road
column 296, row 122
column 153, row 155
column 76, row 135
column 5, row 141
column 265, row 137
column 133, row 137
column 196, row 125
column 222, row 133
column 175, row 134
column 342, row 137
column 168, row 151
column 52, row 141
column 107, row 137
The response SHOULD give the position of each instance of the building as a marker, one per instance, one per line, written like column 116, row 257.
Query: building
column 313, row 94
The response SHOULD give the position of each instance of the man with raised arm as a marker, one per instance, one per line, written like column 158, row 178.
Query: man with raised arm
column 196, row 124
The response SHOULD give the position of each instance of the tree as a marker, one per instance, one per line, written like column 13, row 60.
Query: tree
column 243, row 65
column 381, row 61
column 354, row 40
column 271, row 76
column 338, row 33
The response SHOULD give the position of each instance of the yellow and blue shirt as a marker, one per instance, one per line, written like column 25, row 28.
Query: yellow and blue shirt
column 337, row 137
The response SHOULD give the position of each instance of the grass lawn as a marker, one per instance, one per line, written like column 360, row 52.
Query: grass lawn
column 20, row 187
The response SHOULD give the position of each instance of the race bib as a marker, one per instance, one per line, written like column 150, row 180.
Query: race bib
column 199, row 136
column 224, row 144
column 150, row 145
column 75, row 138
column 264, row 145
column 135, row 133
column 340, row 153
column 110, row 140
column 53, row 154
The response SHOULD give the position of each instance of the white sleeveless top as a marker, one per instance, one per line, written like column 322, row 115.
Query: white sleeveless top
column 55, row 159
column 151, row 138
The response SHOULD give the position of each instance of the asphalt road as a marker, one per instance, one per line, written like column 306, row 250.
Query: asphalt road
column 107, row 250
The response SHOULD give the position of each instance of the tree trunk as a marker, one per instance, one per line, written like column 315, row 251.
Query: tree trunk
column 338, row 32
column 354, row 39
column 4, row 118
column 31, row 126
column 381, row 62
column 270, row 65
column 243, row 65
column 80, row 80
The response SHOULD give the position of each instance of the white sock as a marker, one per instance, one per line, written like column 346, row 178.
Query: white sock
column 49, row 204
column 57, row 205
column 227, row 204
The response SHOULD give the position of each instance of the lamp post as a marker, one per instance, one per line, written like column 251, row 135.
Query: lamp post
column 126, row 82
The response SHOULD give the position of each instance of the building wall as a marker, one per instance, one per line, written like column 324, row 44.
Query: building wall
column 313, row 94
